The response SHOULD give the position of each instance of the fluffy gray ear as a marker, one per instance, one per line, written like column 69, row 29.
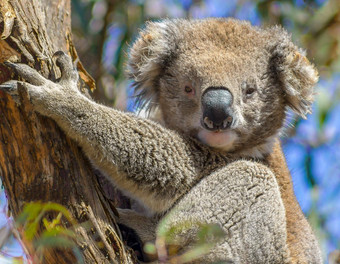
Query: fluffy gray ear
column 297, row 75
column 147, row 57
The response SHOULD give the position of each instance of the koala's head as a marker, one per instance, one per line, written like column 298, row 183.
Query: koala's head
column 221, row 81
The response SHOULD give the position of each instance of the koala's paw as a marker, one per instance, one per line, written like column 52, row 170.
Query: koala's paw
column 38, row 87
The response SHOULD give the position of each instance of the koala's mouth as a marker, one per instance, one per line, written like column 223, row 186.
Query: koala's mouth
column 222, row 139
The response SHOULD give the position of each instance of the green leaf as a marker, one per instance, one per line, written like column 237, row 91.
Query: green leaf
column 56, row 241
column 195, row 253
column 58, row 231
column 55, row 222
column 170, row 233
column 211, row 233
column 31, row 230
column 150, row 248
column 29, row 213
column 59, row 208
column 78, row 254
column 18, row 260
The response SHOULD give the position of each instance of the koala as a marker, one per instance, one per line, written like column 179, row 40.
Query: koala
column 220, row 88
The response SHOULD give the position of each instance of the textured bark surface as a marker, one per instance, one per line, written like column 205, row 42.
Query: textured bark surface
column 37, row 161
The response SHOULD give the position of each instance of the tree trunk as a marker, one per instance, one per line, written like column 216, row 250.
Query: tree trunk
column 37, row 161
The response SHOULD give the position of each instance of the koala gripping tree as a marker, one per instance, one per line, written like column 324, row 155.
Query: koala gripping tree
column 37, row 161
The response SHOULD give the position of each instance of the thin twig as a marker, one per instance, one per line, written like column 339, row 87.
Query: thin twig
column 94, row 221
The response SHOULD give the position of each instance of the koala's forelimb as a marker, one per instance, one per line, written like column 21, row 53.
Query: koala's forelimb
column 156, row 165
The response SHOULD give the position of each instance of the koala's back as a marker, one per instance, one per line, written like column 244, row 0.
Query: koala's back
column 245, row 200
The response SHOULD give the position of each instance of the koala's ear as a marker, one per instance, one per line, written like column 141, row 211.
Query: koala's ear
column 297, row 75
column 147, row 57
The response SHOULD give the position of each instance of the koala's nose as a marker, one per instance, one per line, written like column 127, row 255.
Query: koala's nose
column 216, row 106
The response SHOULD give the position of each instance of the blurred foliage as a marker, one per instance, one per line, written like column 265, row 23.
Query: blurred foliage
column 103, row 29
column 38, row 233
column 166, row 245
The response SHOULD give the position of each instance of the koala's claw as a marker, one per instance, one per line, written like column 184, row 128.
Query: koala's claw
column 26, row 72
column 33, row 78
column 64, row 62
column 41, row 91
column 11, row 87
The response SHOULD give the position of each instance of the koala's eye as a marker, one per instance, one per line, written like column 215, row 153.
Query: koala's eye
column 189, row 90
column 250, row 91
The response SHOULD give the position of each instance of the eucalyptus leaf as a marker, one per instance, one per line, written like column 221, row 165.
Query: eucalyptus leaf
column 56, row 241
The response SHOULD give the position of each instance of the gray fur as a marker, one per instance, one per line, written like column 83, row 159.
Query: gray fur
column 166, row 167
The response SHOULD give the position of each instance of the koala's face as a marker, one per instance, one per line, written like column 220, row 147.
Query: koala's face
column 222, row 81
column 223, row 98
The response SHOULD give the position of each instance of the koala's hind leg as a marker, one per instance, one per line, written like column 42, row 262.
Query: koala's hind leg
column 244, row 199
column 143, row 226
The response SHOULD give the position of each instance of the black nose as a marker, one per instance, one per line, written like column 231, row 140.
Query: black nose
column 216, row 106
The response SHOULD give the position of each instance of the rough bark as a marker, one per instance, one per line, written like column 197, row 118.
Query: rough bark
column 37, row 161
